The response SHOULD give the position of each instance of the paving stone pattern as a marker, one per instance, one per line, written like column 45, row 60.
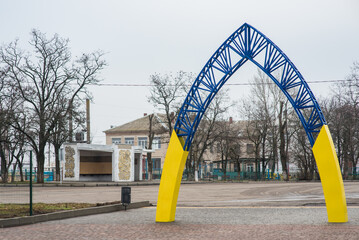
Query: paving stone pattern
column 196, row 223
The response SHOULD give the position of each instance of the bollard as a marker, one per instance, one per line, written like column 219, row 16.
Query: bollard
column 125, row 196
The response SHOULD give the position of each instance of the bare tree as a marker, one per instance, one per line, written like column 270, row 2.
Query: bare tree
column 228, row 140
column 259, row 110
column 3, row 126
column 11, row 141
column 223, row 145
column 303, row 154
column 61, row 132
column 12, row 150
column 167, row 92
column 283, row 137
column 235, row 152
column 343, row 117
column 268, row 124
column 206, row 134
column 44, row 80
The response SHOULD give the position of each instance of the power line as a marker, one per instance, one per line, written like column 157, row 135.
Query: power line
column 228, row 84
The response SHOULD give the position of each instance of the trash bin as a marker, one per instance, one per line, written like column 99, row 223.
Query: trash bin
column 125, row 195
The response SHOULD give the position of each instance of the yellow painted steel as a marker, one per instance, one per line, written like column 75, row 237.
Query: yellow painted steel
column 171, row 179
column 331, row 177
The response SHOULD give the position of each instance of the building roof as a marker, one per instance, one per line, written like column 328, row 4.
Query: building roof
column 141, row 125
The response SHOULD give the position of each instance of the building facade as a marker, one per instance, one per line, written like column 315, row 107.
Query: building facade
column 136, row 133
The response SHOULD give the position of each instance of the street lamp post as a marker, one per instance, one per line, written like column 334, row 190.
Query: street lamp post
column 30, row 183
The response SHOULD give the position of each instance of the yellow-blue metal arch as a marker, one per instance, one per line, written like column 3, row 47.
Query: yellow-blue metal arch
column 248, row 43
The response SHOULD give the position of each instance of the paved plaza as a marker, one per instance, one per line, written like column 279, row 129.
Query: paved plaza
column 206, row 211
column 197, row 223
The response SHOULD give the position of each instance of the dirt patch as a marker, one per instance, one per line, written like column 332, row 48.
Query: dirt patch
column 21, row 210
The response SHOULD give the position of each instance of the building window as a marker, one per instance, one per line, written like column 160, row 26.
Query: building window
column 156, row 163
column 129, row 141
column 156, row 144
column 250, row 167
column 142, row 141
column 250, row 148
column 116, row 141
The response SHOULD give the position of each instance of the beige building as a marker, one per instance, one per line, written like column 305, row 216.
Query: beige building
column 136, row 133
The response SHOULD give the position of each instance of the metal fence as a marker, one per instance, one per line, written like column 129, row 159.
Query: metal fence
column 19, row 191
column 16, row 176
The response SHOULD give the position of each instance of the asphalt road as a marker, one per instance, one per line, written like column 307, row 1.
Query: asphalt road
column 211, row 194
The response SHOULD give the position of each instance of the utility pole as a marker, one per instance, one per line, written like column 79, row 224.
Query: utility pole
column 70, row 123
column 88, row 121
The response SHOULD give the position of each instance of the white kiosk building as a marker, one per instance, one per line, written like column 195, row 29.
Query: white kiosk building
column 91, row 162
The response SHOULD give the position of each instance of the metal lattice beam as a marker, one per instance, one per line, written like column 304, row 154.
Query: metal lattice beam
column 245, row 44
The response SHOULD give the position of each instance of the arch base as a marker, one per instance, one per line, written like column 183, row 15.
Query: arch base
column 330, row 176
column 171, row 179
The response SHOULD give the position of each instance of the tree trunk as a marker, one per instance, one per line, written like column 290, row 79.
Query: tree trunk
column 354, row 173
column 190, row 175
column 20, row 164
column 275, row 157
column 150, row 165
column 257, row 172
column 263, row 156
column 13, row 174
column 224, row 169
column 40, row 157
column 4, row 170
column 189, row 167
column 257, row 169
column 57, row 161
column 196, row 176
column 283, row 155
column 239, row 169
column 312, row 166
column 196, row 170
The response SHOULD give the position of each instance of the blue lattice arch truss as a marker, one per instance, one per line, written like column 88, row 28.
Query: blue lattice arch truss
column 247, row 43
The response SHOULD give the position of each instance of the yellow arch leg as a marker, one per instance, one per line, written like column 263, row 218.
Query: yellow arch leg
column 171, row 180
column 331, row 177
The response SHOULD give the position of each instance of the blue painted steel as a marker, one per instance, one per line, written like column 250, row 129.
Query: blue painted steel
column 247, row 43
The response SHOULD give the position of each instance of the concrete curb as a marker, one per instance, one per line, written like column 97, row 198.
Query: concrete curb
column 80, row 184
column 143, row 183
column 18, row 221
column 94, row 184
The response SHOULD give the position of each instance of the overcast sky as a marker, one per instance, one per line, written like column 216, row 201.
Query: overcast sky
column 144, row 37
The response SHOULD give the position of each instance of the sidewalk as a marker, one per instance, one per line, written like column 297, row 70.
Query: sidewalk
column 196, row 223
